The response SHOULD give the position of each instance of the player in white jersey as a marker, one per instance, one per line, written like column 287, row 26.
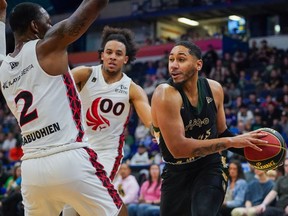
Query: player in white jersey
column 3, row 6
column 107, row 95
column 106, row 110
column 58, row 166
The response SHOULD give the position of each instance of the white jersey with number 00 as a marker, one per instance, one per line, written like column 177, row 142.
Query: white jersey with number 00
column 106, row 109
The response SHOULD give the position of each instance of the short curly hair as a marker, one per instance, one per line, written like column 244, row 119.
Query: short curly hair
column 122, row 35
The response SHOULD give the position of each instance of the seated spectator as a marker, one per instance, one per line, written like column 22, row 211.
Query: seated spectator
column 3, row 179
column 250, row 174
column 279, row 191
column 9, row 142
column 15, row 179
column 12, row 200
column 141, row 157
column 150, row 193
column 245, row 115
column 236, row 189
column 127, row 185
column 257, row 190
column 15, row 153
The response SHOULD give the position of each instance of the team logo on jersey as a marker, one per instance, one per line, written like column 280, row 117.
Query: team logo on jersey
column 209, row 99
column 122, row 89
column 94, row 79
column 13, row 64
column 94, row 119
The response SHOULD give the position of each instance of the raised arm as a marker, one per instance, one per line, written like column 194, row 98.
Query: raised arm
column 62, row 34
column 3, row 6
column 69, row 30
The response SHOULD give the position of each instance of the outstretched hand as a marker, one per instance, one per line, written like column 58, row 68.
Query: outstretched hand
column 250, row 139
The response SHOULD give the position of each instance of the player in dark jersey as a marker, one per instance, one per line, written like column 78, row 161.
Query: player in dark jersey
column 188, row 113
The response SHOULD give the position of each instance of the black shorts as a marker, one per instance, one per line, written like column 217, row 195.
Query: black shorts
column 197, row 188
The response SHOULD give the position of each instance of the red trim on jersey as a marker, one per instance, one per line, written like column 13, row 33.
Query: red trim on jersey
column 75, row 104
column 118, row 159
column 101, row 174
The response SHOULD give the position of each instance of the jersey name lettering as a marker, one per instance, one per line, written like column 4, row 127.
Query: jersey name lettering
column 50, row 129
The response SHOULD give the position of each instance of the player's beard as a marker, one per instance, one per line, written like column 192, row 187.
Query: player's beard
column 188, row 76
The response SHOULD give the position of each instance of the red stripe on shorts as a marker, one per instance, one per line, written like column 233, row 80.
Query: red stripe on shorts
column 101, row 174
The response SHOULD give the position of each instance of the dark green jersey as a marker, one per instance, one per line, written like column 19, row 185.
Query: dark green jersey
column 199, row 122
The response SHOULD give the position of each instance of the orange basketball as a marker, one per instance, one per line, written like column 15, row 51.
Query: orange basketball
column 273, row 153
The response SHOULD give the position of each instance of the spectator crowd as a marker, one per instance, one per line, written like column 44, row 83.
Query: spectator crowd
column 256, row 95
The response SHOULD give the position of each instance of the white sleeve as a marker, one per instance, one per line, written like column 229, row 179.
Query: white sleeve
column 2, row 41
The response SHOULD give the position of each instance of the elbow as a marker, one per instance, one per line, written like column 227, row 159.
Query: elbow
column 103, row 3
column 179, row 151
column 100, row 4
column 177, row 154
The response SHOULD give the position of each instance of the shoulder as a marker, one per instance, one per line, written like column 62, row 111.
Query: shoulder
column 165, row 90
column 135, row 86
column 214, row 85
column 242, row 182
column 164, row 95
column 82, row 69
column 136, row 91
column 145, row 184
column 132, row 179
column 251, row 184
column 280, row 179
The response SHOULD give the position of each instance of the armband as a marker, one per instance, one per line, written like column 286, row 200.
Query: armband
column 227, row 133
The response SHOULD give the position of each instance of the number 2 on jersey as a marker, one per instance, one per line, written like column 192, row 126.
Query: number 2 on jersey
column 26, row 117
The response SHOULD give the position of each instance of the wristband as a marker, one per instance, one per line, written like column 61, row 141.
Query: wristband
column 227, row 133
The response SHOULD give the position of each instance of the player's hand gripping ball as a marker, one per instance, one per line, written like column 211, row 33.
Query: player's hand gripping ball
column 273, row 153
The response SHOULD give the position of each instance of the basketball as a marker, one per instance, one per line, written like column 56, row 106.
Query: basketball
column 273, row 153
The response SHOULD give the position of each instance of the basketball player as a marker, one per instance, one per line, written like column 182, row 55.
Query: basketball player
column 188, row 113
column 58, row 166
column 3, row 6
column 107, row 94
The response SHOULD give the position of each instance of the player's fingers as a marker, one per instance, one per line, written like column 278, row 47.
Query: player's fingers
column 254, row 146
column 259, row 134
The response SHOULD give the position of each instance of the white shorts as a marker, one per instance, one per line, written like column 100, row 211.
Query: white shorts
column 111, row 160
column 72, row 177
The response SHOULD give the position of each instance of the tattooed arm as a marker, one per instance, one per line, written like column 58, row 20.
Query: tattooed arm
column 166, row 104
column 52, row 49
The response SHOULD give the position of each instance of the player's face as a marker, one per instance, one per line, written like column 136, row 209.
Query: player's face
column 43, row 24
column 114, row 56
column 182, row 65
